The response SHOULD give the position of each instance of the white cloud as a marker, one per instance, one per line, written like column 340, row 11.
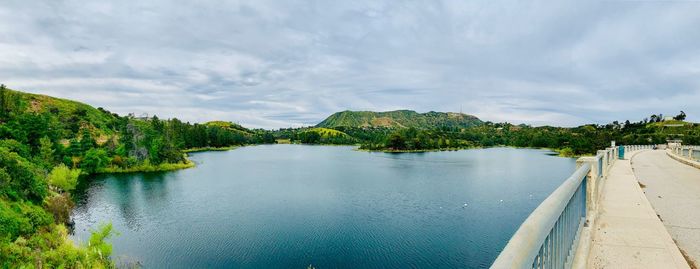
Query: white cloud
column 282, row 63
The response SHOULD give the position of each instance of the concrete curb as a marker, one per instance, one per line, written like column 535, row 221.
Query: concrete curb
column 683, row 160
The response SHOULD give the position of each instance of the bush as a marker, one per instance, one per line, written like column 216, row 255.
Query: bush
column 94, row 160
column 20, row 218
column 22, row 178
column 63, row 177
column 60, row 205
column 567, row 152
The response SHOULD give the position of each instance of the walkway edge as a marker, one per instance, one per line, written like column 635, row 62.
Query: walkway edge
column 683, row 160
column 625, row 223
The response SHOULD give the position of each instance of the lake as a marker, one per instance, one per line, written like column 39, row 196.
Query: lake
column 289, row 206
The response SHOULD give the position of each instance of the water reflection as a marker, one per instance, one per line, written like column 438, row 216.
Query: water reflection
column 290, row 206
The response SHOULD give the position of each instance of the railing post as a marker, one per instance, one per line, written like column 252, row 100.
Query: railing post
column 605, row 163
column 591, row 186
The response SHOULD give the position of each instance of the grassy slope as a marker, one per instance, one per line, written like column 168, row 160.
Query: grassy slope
column 229, row 125
column 325, row 132
column 398, row 119
column 98, row 121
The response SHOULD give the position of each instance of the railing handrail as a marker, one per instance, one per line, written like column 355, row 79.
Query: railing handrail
column 549, row 237
column 523, row 247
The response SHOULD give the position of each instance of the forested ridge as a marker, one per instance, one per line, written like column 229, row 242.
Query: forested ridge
column 581, row 140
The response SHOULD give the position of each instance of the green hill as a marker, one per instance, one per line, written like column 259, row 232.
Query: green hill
column 67, row 116
column 230, row 126
column 399, row 119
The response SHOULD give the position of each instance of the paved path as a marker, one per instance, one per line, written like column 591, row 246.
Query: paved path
column 673, row 189
column 627, row 232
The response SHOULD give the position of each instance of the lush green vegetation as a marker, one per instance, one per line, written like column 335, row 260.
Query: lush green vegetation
column 313, row 135
column 434, row 136
column 46, row 143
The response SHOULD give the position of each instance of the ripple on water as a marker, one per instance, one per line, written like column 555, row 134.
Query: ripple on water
column 288, row 206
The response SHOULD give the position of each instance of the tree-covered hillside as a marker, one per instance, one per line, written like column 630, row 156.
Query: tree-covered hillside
column 580, row 140
column 399, row 119
column 47, row 143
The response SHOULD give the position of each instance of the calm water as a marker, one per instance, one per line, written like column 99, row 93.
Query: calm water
column 288, row 206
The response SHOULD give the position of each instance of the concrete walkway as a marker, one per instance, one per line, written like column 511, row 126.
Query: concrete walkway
column 627, row 232
column 673, row 189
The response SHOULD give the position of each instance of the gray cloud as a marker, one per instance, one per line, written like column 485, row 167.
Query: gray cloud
column 289, row 63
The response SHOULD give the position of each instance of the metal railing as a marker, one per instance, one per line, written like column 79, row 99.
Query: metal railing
column 687, row 152
column 638, row 147
column 545, row 239
column 549, row 237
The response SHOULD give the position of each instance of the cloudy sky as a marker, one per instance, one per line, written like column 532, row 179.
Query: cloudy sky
column 283, row 63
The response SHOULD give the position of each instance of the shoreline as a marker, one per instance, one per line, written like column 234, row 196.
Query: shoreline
column 557, row 151
column 190, row 150
column 165, row 167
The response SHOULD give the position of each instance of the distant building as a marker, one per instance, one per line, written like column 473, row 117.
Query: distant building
column 143, row 116
column 668, row 118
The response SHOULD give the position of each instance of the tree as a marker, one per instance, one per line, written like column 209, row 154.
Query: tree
column 396, row 141
column 94, row 160
column 3, row 101
column 86, row 141
column 680, row 116
column 63, row 177
column 653, row 118
column 46, row 151
column 25, row 181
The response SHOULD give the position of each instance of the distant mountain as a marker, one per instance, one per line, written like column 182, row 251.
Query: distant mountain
column 399, row 119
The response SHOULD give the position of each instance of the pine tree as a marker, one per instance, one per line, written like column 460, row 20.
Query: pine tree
column 46, row 151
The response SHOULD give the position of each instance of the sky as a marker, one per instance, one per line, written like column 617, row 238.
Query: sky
column 277, row 63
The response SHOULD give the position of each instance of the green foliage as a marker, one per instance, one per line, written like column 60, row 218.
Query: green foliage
column 97, row 245
column 86, row 141
column 567, row 152
column 3, row 106
column 310, row 137
column 16, row 147
column 60, row 206
column 25, row 180
column 576, row 141
column 51, row 248
column 680, row 117
column 21, row 219
column 46, row 151
column 94, row 160
column 63, row 177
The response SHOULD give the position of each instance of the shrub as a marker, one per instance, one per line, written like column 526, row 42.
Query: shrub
column 60, row 205
column 63, row 177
